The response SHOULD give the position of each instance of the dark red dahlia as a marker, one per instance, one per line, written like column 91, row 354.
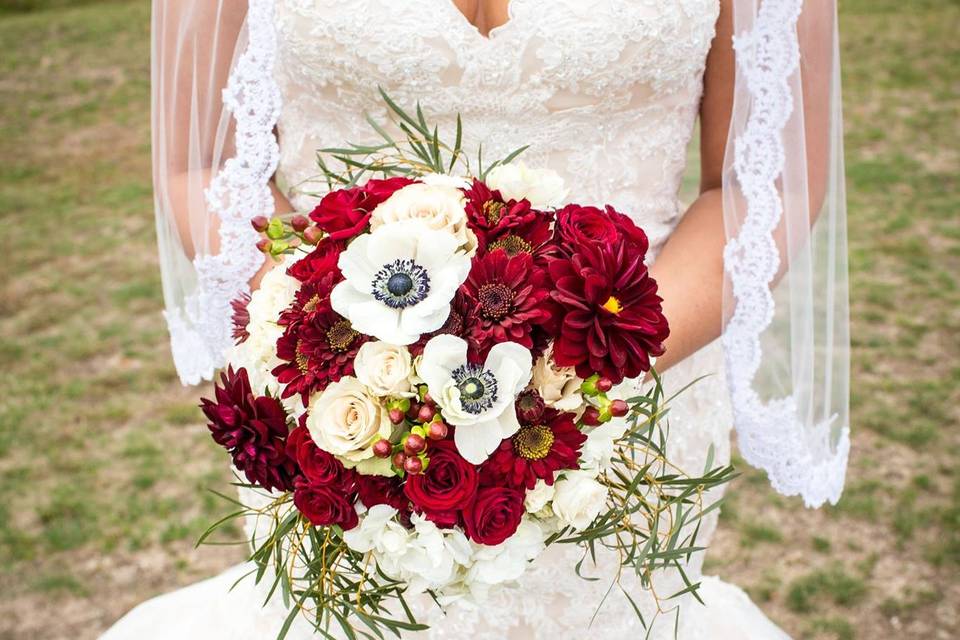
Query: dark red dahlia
column 538, row 450
column 345, row 213
column 376, row 490
column 318, row 347
column 241, row 318
column 511, row 297
column 463, row 314
column 510, row 225
column 253, row 429
column 613, row 321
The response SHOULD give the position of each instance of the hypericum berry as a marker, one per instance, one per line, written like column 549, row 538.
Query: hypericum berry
column 299, row 223
column 413, row 411
column 437, row 430
column 413, row 465
column 396, row 416
column 619, row 408
column 426, row 413
column 312, row 235
column 260, row 223
column 604, row 384
column 398, row 459
column 265, row 245
column 591, row 416
column 428, row 400
column 414, row 444
column 382, row 448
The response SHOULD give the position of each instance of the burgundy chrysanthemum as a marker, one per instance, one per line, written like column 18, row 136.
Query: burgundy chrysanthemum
column 510, row 225
column 511, row 297
column 253, row 429
column 463, row 315
column 241, row 318
column 537, row 451
column 612, row 318
column 318, row 347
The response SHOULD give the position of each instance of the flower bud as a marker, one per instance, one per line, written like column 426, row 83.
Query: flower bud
column 591, row 416
column 278, row 248
column 275, row 230
column 413, row 465
column 604, row 384
column 266, row 246
column 396, row 416
column 619, row 408
column 260, row 223
column 414, row 444
column 437, row 430
column 530, row 407
column 312, row 235
column 413, row 411
column 382, row 448
column 426, row 413
column 589, row 386
column 299, row 223
column 398, row 459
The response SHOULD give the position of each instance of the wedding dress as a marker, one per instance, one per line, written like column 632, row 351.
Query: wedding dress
column 606, row 93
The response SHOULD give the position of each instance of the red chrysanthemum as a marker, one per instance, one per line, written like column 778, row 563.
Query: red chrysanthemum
column 318, row 347
column 241, row 318
column 511, row 297
column 510, row 225
column 253, row 429
column 612, row 318
column 463, row 315
column 537, row 451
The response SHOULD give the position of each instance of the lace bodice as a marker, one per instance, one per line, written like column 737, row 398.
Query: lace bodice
column 605, row 92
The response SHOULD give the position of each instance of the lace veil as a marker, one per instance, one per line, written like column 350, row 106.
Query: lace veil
column 215, row 105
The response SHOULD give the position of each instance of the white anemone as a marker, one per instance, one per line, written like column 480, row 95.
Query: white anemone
column 399, row 281
column 477, row 399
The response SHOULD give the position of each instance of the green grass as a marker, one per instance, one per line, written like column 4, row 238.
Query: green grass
column 103, row 458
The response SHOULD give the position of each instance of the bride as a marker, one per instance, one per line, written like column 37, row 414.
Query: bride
column 607, row 94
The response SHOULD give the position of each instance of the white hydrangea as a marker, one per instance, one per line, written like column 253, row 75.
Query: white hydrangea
column 507, row 561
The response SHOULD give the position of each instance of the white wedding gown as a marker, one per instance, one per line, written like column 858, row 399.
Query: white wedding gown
column 606, row 92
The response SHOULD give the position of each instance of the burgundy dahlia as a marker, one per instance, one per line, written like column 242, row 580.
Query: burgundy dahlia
column 241, row 318
column 612, row 318
column 510, row 225
column 317, row 348
column 538, row 450
column 463, row 315
column 512, row 298
column 253, row 429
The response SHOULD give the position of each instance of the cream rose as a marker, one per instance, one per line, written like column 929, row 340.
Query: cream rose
column 516, row 181
column 578, row 499
column 440, row 206
column 385, row 369
column 345, row 421
column 558, row 386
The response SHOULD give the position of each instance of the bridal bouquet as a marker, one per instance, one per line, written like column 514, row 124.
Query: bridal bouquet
column 439, row 381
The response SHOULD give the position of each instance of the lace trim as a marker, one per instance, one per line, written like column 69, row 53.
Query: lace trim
column 240, row 191
column 799, row 460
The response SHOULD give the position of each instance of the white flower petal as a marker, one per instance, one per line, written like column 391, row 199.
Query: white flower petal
column 441, row 356
column 476, row 442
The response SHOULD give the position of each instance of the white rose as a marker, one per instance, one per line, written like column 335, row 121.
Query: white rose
column 558, row 386
column 345, row 421
column 544, row 188
column 384, row 368
column 578, row 500
column 441, row 207
column 538, row 497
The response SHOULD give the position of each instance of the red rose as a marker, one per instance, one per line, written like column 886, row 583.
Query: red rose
column 316, row 464
column 447, row 485
column 324, row 505
column 376, row 490
column 319, row 262
column 578, row 225
column 629, row 231
column 344, row 213
column 494, row 515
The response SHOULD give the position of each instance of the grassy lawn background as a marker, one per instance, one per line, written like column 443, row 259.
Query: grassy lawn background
column 104, row 461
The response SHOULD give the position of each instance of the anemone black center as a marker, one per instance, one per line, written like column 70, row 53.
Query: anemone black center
column 400, row 284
